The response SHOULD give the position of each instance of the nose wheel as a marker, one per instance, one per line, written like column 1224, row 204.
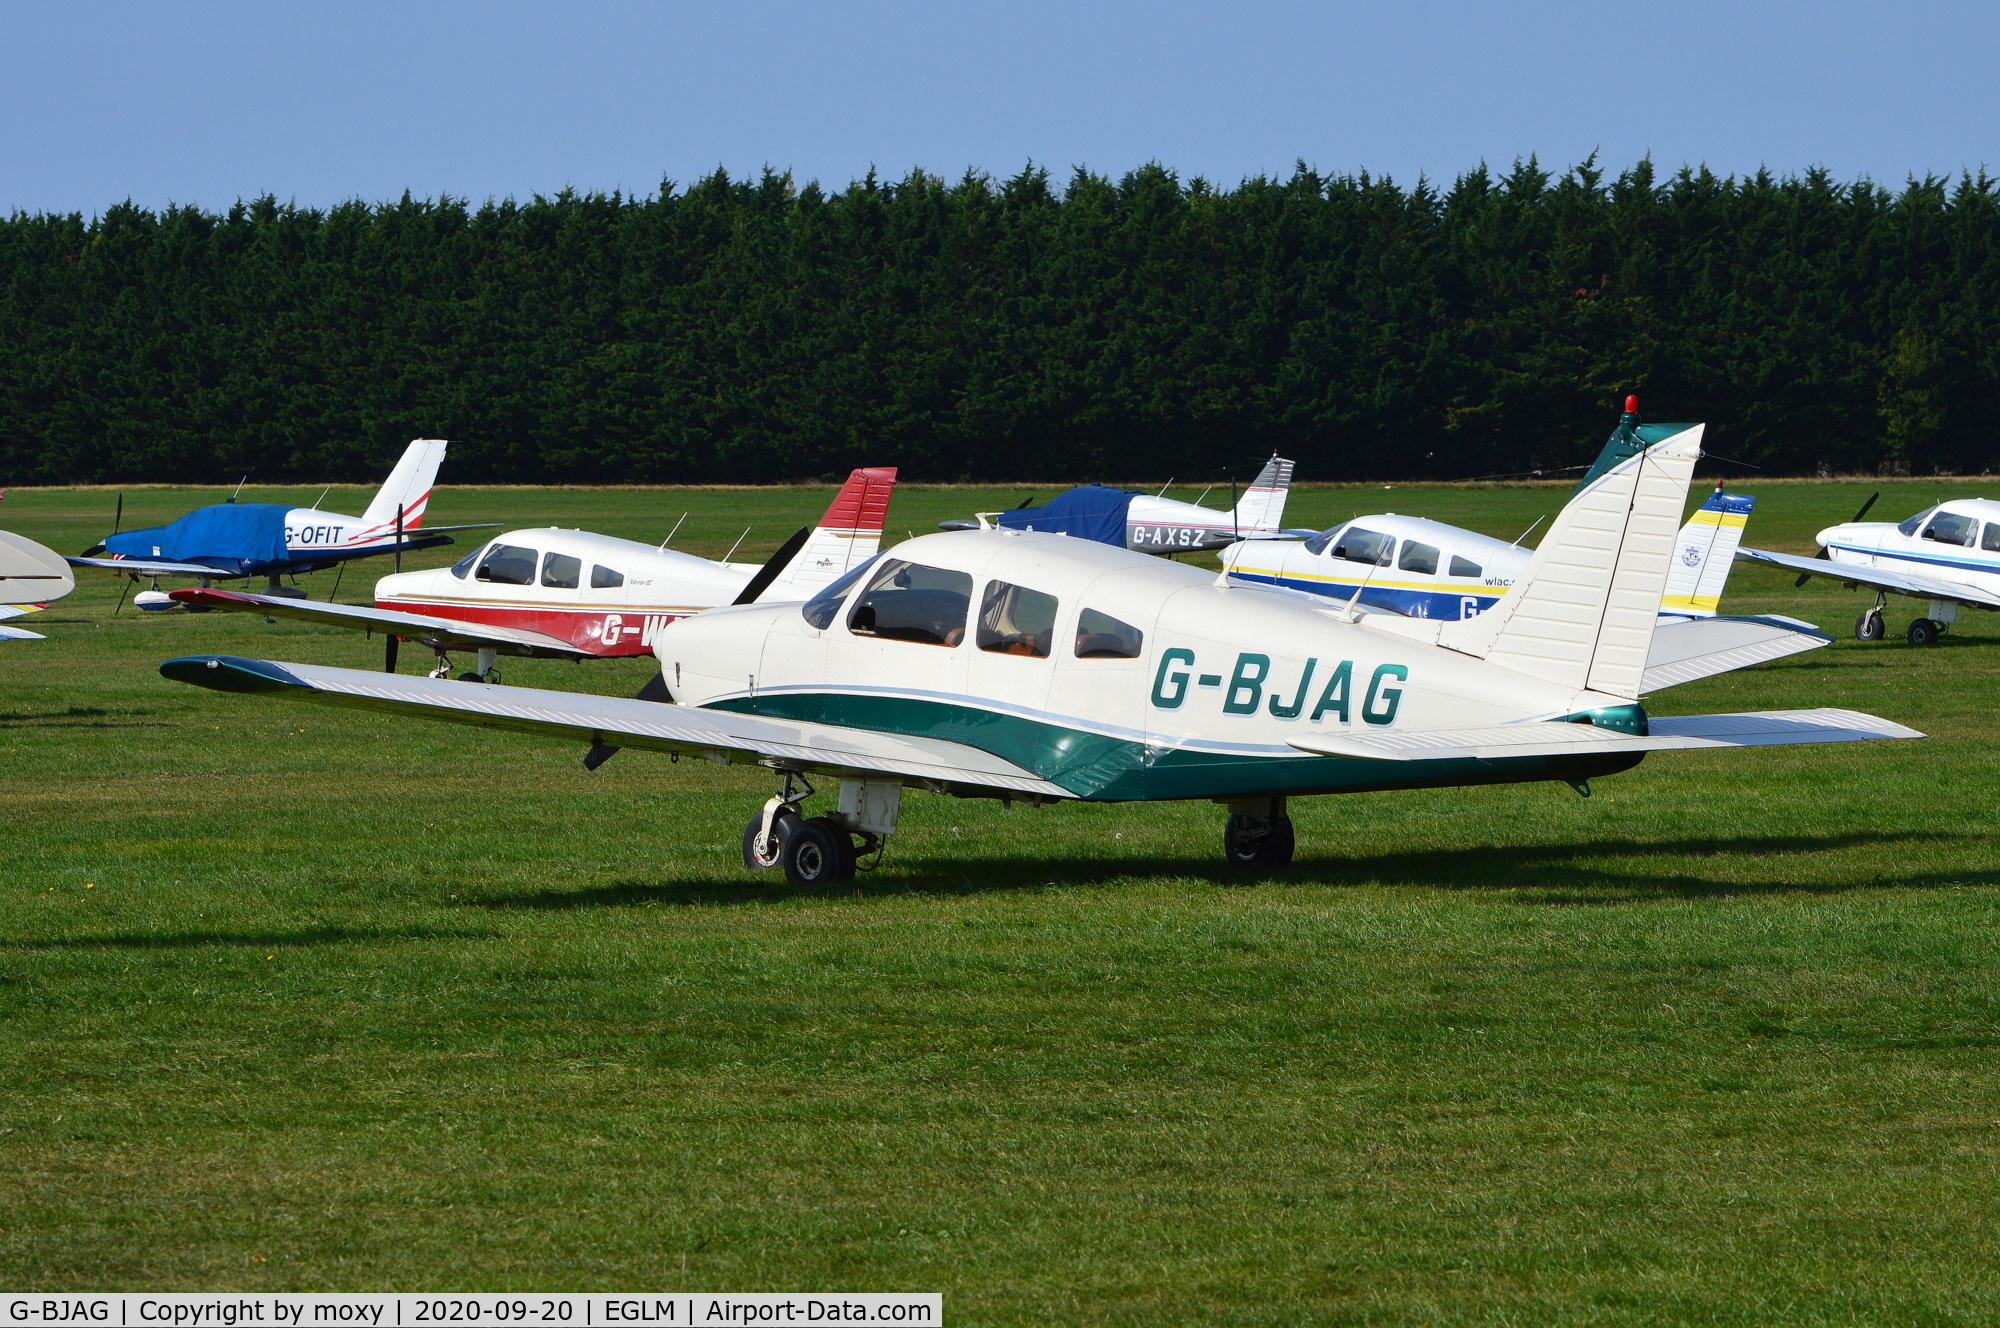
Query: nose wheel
column 1868, row 627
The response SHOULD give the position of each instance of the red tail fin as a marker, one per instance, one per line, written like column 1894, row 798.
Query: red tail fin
column 863, row 502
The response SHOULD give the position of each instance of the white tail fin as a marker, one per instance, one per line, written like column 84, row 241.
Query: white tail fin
column 1262, row 507
column 1583, row 612
column 409, row 484
column 1704, row 553
column 848, row 535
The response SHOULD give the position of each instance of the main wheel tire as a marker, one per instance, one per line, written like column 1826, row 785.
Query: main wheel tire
column 782, row 826
column 819, row 853
column 470, row 677
column 1258, row 843
column 1868, row 627
column 1923, row 632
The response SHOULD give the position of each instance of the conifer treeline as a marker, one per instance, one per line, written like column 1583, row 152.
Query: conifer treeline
column 751, row 331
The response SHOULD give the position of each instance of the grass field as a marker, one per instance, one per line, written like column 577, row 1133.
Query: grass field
column 294, row 998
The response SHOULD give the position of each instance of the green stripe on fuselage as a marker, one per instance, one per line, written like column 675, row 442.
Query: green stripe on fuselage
column 1103, row 768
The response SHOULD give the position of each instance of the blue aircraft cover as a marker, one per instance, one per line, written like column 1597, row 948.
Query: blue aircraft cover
column 242, row 537
column 1089, row 511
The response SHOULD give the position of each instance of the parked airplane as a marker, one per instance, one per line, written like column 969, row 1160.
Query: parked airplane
column 1948, row 554
column 31, row 578
column 569, row 594
column 228, row 540
column 1024, row 666
column 1427, row 569
column 1152, row 524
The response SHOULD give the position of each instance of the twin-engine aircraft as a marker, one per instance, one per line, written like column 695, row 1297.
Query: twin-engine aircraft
column 228, row 540
column 1948, row 554
column 1129, row 519
column 31, row 578
column 1030, row 667
column 570, row 594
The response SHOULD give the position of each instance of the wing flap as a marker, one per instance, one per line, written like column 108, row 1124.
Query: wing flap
column 416, row 626
column 1758, row 728
column 1876, row 578
column 616, row 721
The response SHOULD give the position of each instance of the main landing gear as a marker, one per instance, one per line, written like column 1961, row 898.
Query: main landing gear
column 822, row 850
column 486, row 673
column 1258, row 835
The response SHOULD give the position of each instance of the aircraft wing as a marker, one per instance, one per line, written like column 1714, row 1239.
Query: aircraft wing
column 152, row 567
column 720, row 735
column 416, row 626
column 1759, row 728
column 1691, row 648
column 1879, row 578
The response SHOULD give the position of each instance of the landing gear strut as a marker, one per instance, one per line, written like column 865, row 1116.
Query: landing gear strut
column 486, row 673
column 1868, row 627
column 1258, row 835
column 821, row 850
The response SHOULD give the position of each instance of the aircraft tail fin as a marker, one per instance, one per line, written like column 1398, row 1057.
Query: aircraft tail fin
column 1583, row 612
column 1261, row 510
column 1704, row 553
column 408, row 484
column 849, row 534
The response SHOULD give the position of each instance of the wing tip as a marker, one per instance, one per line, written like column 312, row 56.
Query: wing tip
column 229, row 673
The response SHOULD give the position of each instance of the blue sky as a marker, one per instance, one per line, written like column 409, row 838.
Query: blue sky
column 208, row 102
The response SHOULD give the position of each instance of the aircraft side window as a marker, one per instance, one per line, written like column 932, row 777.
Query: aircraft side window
column 1990, row 541
column 561, row 572
column 1318, row 543
column 1014, row 620
column 603, row 578
column 1915, row 523
column 1419, row 558
column 911, row 602
column 464, row 565
column 822, row 608
column 1465, row 567
column 1101, row 636
column 1949, row 528
column 508, row 565
column 1365, row 546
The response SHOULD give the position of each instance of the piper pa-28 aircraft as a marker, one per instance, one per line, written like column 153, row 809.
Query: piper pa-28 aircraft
column 1150, row 524
column 31, row 578
column 1948, row 554
column 228, row 540
column 1024, row 666
column 570, row 594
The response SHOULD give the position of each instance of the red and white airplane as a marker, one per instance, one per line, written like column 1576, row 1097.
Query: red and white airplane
column 571, row 594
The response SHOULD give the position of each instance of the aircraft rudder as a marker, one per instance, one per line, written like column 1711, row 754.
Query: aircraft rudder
column 409, row 484
column 849, row 533
column 1262, row 506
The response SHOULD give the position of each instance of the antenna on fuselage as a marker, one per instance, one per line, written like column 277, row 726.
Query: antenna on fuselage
column 1164, row 487
column 322, row 497
column 675, row 531
column 739, row 544
column 239, row 488
column 1530, row 530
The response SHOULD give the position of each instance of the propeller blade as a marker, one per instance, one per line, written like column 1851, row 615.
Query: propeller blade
column 1870, row 503
column 769, row 571
column 118, row 516
column 656, row 691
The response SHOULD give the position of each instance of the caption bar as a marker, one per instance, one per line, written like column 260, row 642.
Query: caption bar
column 453, row 1310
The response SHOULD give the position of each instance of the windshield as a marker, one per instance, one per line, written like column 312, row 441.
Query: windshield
column 821, row 608
column 1915, row 523
column 1318, row 543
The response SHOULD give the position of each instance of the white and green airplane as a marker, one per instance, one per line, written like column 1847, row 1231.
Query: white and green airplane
column 1034, row 667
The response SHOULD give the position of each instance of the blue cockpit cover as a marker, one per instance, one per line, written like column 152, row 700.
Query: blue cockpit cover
column 240, row 537
column 1089, row 511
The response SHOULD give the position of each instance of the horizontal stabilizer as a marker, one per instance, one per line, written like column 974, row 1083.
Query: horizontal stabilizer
column 1702, row 647
column 415, row 626
column 1895, row 581
column 616, row 721
column 20, row 634
column 1764, row 728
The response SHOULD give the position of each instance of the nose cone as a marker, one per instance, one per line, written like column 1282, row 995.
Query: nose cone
column 402, row 584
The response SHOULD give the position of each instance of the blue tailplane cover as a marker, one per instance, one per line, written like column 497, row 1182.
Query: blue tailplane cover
column 1089, row 511
column 243, row 538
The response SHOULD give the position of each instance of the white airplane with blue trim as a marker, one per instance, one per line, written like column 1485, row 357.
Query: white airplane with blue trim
column 1948, row 554
column 1039, row 668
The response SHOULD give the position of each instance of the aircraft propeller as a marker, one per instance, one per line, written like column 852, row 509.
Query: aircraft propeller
column 1823, row 554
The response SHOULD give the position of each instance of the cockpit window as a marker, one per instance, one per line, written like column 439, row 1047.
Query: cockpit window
column 1101, row 636
column 508, row 565
column 822, row 608
column 1014, row 620
column 911, row 602
column 464, row 565
column 603, row 578
column 561, row 572
column 1317, row 544
column 1465, row 567
column 1950, row 528
column 1365, row 546
column 1915, row 523
column 1419, row 558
